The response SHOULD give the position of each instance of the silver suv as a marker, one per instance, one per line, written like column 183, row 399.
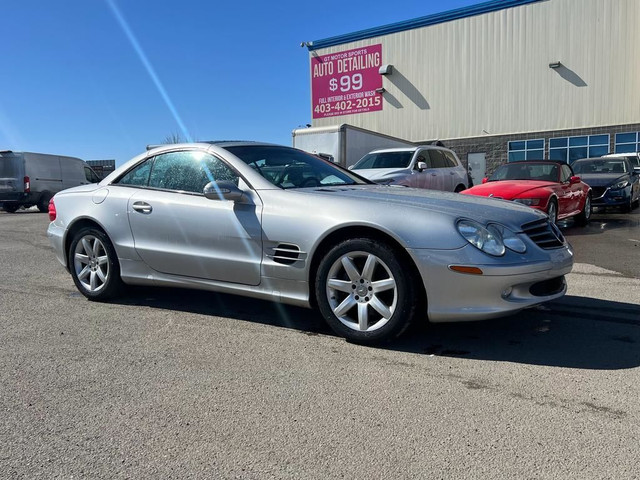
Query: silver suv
column 428, row 166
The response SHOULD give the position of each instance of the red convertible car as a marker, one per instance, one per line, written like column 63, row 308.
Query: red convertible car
column 545, row 185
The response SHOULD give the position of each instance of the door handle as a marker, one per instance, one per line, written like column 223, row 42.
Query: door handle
column 142, row 207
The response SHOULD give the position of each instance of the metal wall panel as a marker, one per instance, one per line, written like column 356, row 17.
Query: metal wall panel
column 490, row 74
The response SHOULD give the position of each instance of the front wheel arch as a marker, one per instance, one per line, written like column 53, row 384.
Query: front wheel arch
column 346, row 233
column 74, row 229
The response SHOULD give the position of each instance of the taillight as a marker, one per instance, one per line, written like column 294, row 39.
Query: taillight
column 52, row 210
column 27, row 185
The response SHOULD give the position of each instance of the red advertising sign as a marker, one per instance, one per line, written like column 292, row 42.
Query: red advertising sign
column 345, row 82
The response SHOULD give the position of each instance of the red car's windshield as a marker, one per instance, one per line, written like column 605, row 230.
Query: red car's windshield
column 548, row 172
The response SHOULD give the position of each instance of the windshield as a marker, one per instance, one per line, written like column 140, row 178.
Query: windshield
column 548, row 172
column 597, row 166
column 288, row 167
column 385, row 160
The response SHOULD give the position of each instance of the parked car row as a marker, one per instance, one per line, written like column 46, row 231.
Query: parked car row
column 277, row 223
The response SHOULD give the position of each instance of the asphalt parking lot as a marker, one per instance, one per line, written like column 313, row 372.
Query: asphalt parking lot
column 182, row 384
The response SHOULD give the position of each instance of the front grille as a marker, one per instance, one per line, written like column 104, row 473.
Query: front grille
column 544, row 234
column 597, row 192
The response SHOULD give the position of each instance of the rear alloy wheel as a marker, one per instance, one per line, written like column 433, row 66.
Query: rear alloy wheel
column 583, row 217
column 94, row 265
column 364, row 292
column 552, row 211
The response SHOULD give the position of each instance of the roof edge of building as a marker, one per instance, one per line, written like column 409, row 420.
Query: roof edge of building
column 470, row 11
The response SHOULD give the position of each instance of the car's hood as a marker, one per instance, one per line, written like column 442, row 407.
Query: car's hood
column 444, row 203
column 602, row 179
column 381, row 173
column 507, row 189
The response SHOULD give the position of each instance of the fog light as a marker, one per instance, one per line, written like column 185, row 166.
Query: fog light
column 506, row 292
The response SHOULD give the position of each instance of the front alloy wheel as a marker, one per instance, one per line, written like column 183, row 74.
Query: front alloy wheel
column 363, row 291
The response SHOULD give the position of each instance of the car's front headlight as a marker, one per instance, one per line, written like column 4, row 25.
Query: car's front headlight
column 509, row 238
column 530, row 202
column 488, row 240
column 621, row 185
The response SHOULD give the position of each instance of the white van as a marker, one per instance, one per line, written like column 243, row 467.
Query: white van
column 28, row 179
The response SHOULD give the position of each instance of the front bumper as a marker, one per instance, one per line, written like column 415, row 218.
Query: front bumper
column 613, row 198
column 503, row 288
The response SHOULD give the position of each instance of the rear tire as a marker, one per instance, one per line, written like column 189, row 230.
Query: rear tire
column 459, row 188
column 10, row 207
column 43, row 203
column 365, row 292
column 94, row 264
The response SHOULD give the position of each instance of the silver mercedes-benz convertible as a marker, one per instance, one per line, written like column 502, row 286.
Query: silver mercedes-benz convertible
column 276, row 223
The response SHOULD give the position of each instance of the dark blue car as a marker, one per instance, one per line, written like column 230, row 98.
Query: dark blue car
column 613, row 181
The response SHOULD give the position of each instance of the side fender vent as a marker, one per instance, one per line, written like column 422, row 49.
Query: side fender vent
column 286, row 253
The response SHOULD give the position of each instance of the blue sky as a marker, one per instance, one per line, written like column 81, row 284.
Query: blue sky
column 101, row 79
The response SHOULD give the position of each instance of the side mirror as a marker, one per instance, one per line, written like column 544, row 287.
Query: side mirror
column 485, row 179
column 222, row 190
column 573, row 180
column 422, row 166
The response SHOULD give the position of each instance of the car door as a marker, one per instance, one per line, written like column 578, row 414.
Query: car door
column 438, row 174
column 576, row 193
column 417, row 178
column 457, row 173
column 178, row 231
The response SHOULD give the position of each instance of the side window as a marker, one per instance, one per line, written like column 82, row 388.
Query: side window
column 438, row 160
column 566, row 173
column 451, row 160
column 91, row 175
column 188, row 171
column 138, row 176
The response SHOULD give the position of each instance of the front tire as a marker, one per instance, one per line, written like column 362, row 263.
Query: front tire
column 94, row 264
column 364, row 291
column 583, row 217
column 552, row 211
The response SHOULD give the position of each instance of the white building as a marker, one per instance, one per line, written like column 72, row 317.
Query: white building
column 501, row 80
